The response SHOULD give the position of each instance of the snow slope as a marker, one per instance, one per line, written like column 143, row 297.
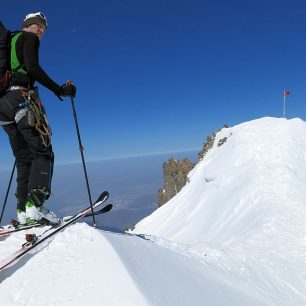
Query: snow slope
column 85, row 266
column 235, row 235
column 247, row 198
column 252, row 185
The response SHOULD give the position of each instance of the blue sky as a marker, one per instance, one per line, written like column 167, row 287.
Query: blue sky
column 159, row 76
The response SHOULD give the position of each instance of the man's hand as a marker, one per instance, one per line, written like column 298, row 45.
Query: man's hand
column 66, row 90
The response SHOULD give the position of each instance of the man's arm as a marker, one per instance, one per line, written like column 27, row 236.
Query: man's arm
column 31, row 63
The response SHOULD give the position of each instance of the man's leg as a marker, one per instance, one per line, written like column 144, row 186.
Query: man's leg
column 41, row 168
column 41, row 156
column 9, row 104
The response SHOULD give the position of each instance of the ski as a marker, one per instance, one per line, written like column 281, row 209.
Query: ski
column 30, row 245
column 8, row 230
column 103, row 210
column 4, row 231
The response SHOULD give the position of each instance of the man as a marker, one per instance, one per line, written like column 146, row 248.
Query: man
column 34, row 155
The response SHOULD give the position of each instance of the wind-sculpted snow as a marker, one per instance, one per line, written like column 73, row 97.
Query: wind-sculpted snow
column 235, row 235
column 247, row 198
column 79, row 267
column 251, row 187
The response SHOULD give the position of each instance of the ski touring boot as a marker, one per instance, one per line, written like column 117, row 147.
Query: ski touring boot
column 36, row 211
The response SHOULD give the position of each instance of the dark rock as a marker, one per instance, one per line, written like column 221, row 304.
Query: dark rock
column 175, row 177
column 176, row 172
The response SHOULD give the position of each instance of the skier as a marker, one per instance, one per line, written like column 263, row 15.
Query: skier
column 34, row 155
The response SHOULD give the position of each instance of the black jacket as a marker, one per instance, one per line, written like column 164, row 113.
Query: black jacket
column 27, row 50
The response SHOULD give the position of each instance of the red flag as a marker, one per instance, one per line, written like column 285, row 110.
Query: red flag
column 286, row 93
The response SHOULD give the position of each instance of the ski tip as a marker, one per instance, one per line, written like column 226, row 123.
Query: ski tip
column 103, row 210
column 107, row 208
column 103, row 196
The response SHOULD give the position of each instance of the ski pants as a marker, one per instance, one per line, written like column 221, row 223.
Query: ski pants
column 34, row 161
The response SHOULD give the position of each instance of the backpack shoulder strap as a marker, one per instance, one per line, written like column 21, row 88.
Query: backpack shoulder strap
column 16, row 66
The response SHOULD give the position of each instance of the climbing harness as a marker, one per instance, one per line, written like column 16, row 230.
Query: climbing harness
column 35, row 115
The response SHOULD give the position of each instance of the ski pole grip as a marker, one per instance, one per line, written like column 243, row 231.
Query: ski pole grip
column 71, row 89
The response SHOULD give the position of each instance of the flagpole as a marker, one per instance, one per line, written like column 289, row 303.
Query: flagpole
column 284, row 105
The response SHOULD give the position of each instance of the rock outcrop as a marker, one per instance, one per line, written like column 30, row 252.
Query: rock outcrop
column 175, row 172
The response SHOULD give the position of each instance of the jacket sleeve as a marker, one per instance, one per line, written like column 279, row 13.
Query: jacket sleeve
column 31, row 62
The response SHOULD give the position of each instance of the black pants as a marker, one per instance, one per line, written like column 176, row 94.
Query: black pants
column 34, row 161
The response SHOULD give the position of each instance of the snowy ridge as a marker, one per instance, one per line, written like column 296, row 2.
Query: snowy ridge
column 74, row 268
column 85, row 266
column 234, row 236
column 245, row 209
column 252, row 185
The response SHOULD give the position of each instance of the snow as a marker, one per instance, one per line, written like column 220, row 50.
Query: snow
column 234, row 235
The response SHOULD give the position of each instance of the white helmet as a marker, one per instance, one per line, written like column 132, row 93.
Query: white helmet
column 34, row 18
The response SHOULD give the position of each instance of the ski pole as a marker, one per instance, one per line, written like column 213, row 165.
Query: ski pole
column 82, row 155
column 8, row 191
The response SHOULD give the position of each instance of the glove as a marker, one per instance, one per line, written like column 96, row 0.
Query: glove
column 66, row 90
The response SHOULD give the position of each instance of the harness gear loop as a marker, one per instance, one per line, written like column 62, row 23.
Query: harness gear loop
column 41, row 123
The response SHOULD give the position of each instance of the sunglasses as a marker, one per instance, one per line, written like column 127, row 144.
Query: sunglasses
column 39, row 14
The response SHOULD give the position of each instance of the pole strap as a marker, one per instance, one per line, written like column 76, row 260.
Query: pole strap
column 6, row 122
